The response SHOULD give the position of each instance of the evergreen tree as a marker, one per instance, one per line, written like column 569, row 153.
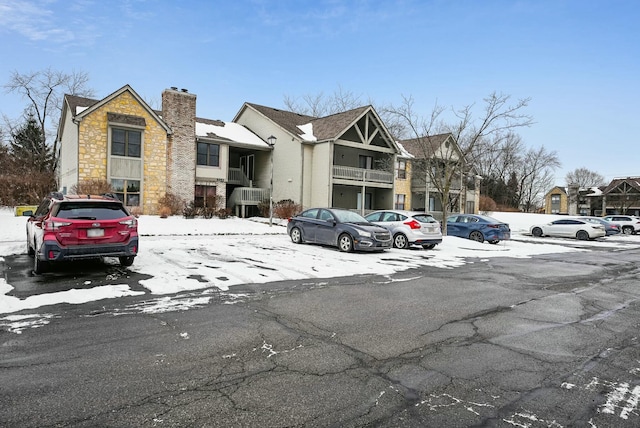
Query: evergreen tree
column 29, row 149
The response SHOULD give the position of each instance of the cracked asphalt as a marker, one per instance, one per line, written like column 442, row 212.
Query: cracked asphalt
column 550, row 341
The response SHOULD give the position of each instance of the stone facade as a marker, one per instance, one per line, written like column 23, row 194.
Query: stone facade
column 179, row 112
column 403, row 185
column 93, row 150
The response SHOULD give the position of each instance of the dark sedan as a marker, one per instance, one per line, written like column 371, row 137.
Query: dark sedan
column 341, row 228
column 478, row 228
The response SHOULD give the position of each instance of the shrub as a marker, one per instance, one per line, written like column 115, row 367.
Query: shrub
column 206, row 212
column 93, row 186
column 487, row 204
column 190, row 210
column 223, row 213
column 164, row 212
column 286, row 208
column 136, row 211
column 173, row 202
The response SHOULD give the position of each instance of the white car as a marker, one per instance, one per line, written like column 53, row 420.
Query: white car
column 569, row 228
column 630, row 224
column 409, row 227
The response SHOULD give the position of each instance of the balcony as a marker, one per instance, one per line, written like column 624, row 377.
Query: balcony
column 236, row 176
column 362, row 175
column 248, row 196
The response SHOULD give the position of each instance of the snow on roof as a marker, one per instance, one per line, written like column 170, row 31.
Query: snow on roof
column 307, row 132
column 230, row 131
column 403, row 152
column 80, row 109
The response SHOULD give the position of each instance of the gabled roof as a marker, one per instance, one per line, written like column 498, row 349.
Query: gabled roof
column 425, row 147
column 288, row 120
column 332, row 126
column 634, row 182
column 313, row 129
column 232, row 133
column 84, row 106
column 77, row 104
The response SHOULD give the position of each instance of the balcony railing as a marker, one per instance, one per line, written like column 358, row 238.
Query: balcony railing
column 248, row 196
column 236, row 176
column 361, row 174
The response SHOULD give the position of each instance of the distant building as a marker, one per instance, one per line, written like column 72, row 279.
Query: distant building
column 620, row 196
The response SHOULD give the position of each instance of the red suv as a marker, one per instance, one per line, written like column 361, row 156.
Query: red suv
column 72, row 227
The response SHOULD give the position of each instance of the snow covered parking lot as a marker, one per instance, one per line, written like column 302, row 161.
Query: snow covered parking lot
column 197, row 254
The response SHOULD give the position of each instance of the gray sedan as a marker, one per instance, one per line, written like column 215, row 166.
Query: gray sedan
column 341, row 228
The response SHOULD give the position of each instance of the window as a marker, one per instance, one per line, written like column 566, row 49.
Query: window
column 205, row 196
column 401, row 169
column 400, row 199
column 365, row 162
column 208, row 154
column 126, row 142
column 128, row 191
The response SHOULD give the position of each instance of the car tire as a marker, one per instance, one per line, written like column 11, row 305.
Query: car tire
column 429, row 246
column 400, row 241
column 126, row 260
column 39, row 266
column 537, row 232
column 628, row 230
column 296, row 235
column 582, row 235
column 476, row 236
column 345, row 243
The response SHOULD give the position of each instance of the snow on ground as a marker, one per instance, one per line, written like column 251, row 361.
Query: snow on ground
column 187, row 255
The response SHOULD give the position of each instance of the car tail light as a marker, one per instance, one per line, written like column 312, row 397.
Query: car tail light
column 51, row 225
column 130, row 222
column 413, row 224
column 494, row 226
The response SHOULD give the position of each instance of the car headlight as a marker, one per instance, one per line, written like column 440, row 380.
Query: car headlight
column 365, row 234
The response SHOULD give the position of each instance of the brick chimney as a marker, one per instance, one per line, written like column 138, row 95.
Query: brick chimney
column 179, row 112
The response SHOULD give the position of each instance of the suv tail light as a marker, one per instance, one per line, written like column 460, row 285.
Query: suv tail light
column 51, row 225
column 413, row 224
column 131, row 223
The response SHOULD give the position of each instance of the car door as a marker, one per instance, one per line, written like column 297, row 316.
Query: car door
column 454, row 226
column 35, row 231
column 307, row 222
column 326, row 228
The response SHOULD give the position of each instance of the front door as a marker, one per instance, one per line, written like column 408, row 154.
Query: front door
column 247, row 165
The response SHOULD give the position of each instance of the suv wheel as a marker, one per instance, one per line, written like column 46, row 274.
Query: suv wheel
column 126, row 260
column 39, row 266
column 627, row 230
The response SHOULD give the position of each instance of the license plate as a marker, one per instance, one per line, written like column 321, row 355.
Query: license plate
column 95, row 233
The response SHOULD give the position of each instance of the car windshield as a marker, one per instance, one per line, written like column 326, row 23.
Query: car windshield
column 349, row 217
column 91, row 211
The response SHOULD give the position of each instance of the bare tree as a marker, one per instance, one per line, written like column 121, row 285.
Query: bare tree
column 493, row 125
column 536, row 177
column 44, row 91
column 320, row 105
column 584, row 178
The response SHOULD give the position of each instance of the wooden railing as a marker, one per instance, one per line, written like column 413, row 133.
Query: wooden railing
column 248, row 196
column 361, row 174
column 236, row 176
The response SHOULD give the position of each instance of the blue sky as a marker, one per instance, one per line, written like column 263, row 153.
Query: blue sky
column 578, row 60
